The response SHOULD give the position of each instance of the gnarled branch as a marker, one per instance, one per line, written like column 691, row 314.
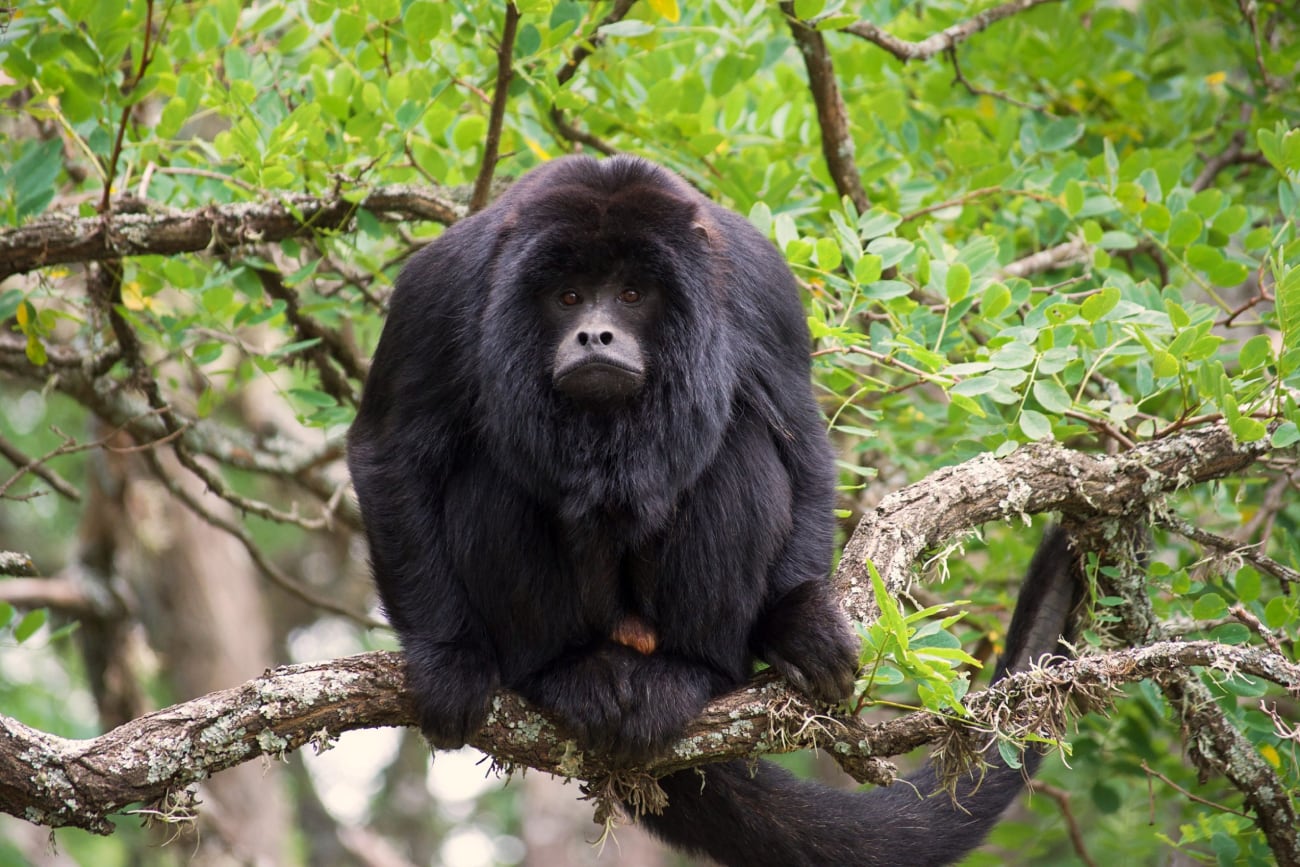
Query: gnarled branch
column 58, row 239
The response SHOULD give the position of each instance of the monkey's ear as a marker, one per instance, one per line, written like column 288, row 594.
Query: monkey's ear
column 701, row 231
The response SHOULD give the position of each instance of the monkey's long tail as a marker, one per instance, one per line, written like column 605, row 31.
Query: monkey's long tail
column 761, row 816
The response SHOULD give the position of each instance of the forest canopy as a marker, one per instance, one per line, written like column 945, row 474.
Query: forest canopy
column 1049, row 257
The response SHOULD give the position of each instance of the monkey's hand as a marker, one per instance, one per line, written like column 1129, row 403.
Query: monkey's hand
column 806, row 637
column 451, row 688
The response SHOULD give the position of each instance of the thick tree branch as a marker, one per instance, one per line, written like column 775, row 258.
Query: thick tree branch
column 152, row 759
column 1033, row 479
column 944, row 39
column 59, row 239
column 60, row 782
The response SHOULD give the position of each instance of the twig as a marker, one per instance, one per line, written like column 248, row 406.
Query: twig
column 943, row 40
column 1223, row 808
column 1234, row 154
column 584, row 50
column 1062, row 799
column 1232, row 548
column 36, row 466
column 960, row 78
column 332, row 346
column 146, row 55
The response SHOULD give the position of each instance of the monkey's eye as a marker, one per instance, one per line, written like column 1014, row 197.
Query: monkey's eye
column 629, row 296
column 569, row 298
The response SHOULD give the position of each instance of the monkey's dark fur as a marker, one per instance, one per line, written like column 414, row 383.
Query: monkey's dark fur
column 591, row 470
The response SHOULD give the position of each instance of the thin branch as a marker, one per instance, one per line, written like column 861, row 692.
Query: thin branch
column 146, row 55
column 274, row 573
column 62, row 594
column 1234, row 154
column 505, row 72
column 1249, row 11
column 36, row 466
column 1074, row 252
column 1062, row 799
column 584, row 50
column 832, row 114
column 79, row 377
column 960, row 78
column 943, row 40
column 331, row 345
column 1232, row 548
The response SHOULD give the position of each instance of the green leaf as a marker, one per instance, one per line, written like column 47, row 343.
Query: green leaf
column 1035, row 425
column 34, row 175
column 1155, row 218
column 1184, row 229
column 1210, row 606
column 1248, row 429
column 470, row 132
column 1013, row 356
column 1060, row 134
column 975, row 386
column 958, row 282
column 1287, row 434
column 997, row 297
column 1073, row 197
column 828, row 254
column 1051, row 396
column 1163, row 364
column 1287, row 304
column 1270, row 147
column 1010, row 754
column 1098, row 305
column 876, row 223
column 32, row 621
column 868, row 269
column 312, row 397
column 1249, row 584
column 1279, row 612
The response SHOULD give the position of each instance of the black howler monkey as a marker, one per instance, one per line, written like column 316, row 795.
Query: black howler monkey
column 591, row 470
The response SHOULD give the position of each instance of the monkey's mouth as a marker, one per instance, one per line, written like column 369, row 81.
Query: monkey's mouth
column 598, row 381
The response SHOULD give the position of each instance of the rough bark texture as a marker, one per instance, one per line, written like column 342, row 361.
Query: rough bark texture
column 57, row 239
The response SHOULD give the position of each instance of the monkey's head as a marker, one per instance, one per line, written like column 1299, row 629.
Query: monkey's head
column 602, row 331
column 605, row 362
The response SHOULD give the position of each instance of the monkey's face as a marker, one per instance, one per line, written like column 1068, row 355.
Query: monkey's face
column 602, row 338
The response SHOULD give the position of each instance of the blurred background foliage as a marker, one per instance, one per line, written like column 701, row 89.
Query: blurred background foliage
column 1077, row 224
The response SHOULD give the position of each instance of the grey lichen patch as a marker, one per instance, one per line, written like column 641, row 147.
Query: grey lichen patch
column 710, row 742
column 570, row 763
column 272, row 744
column 322, row 741
column 287, row 695
column 1018, row 495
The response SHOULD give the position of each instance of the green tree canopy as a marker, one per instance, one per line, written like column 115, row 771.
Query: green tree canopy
column 1051, row 265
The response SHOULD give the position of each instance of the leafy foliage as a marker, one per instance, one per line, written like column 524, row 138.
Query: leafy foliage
column 1082, row 228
